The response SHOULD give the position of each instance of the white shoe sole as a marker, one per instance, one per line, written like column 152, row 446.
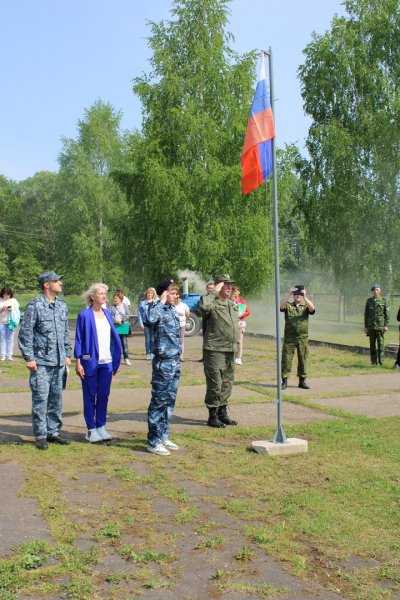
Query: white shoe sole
column 158, row 451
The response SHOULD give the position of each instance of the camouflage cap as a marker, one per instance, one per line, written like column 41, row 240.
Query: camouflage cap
column 224, row 277
column 49, row 276
column 375, row 286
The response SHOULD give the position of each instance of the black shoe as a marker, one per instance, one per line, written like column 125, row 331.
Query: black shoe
column 223, row 416
column 213, row 420
column 284, row 383
column 57, row 439
column 41, row 444
column 303, row 384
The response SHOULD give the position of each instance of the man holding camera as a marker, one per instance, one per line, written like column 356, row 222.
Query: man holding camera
column 296, row 333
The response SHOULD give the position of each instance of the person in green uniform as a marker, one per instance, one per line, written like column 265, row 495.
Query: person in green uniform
column 296, row 333
column 376, row 320
column 219, row 345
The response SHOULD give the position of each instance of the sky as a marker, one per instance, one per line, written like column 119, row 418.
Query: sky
column 58, row 57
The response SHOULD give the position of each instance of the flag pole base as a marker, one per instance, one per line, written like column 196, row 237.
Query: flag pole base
column 291, row 446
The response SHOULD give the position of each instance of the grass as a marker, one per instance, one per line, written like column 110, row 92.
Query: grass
column 329, row 516
column 315, row 512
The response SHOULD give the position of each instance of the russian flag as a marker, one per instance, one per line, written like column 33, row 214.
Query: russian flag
column 257, row 149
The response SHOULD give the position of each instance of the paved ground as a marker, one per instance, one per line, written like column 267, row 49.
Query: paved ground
column 20, row 518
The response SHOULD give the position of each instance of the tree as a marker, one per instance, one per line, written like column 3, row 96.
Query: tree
column 350, row 89
column 91, row 206
column 27, row 229
column 183, row 184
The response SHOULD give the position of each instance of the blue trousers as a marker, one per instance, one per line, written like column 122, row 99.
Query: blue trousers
column 96, row 390
column 46, row 386
column 147, row 339
column 6, row 341
column 164, row 386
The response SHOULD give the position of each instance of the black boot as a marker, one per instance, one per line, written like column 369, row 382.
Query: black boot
column 284, row 383
column 223, row 416
column 303, row 384
column 213, row 420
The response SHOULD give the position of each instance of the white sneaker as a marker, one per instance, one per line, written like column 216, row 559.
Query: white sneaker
column 128, row 362
column 92, row 436
column 159, row 449
column 9, row 358
column 2, row 358
column 148, row 357
column 170, row 445
column 238, row 361
column 103, row 433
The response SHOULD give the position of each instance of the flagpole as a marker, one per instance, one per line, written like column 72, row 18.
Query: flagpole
column 279, row 437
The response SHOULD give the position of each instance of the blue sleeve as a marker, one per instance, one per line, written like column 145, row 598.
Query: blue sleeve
column 25, row 337
column 78, row 336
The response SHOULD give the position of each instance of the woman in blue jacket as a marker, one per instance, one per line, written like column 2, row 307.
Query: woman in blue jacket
column 98, row 355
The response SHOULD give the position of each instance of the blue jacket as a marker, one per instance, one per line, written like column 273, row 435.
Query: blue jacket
column 164, row 322
column 86, row 344
column 44, row 336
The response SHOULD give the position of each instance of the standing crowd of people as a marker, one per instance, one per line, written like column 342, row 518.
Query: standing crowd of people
column 101, row 342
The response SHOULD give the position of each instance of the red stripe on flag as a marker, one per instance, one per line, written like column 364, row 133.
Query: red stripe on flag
column 260, row 127
column 252, row 175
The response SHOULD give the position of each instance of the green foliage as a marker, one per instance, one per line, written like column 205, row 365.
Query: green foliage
column 91, row 207
column 27, row 241
column 350, row 90
column 186, row 208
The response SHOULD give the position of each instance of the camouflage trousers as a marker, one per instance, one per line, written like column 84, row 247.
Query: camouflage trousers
column 164, row 386
column 219, row 369
column 46, row 386
column 377, row 345
column 289, row 346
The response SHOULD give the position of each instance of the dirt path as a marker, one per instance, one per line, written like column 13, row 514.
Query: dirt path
column 193, row 566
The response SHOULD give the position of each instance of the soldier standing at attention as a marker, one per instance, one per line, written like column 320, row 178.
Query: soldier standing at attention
column 376, row 320
column 45, row 345
column 296, row 333
column 219, row 345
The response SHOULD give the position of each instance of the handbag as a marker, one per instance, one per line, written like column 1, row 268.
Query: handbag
column 13, row 319
column 122, row 328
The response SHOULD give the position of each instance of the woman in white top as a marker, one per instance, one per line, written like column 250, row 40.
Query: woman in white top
column 183, row 313
column 98, row 356
column 8, row 305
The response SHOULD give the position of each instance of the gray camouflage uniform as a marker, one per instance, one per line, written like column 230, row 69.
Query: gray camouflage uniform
column 44, row 337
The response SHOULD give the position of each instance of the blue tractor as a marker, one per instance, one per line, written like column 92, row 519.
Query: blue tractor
column 193, row 324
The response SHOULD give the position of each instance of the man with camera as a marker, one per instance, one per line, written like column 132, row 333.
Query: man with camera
column 296, row 333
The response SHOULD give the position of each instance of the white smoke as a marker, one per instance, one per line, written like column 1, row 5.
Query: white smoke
column 197, row 285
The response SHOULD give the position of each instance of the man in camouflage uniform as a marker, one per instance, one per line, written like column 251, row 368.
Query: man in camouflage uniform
column 163, row 319
column 376, row 320
column 45, row 345
column 296, row 333
column 219, row 345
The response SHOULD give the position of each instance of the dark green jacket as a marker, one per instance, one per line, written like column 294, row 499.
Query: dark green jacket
column 222, row 323
column 376, row 313
column 296, row 319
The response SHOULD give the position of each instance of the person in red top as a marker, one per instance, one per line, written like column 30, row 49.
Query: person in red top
column 244, row 312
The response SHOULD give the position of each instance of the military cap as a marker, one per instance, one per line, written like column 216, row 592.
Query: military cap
column 163, row 285
column 49, row 276
column 299, row 290
column 375, row 285
column 224, row 277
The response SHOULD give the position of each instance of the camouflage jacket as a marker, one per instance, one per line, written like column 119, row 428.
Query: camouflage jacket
column 222, row 318
column 296, row 319
column 164, row 323
column 376, row 313
column 44, row 335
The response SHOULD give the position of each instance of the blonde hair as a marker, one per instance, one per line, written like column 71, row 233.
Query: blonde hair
column 95, row 287
column 153, row 291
